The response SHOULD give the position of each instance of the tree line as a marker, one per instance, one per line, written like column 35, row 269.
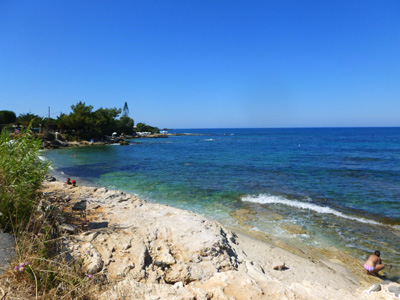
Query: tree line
column 82, row 123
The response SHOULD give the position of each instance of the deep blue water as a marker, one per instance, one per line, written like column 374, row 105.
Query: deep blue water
column 341, row 185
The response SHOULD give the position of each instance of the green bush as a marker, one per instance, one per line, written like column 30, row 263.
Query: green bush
column 21, row 175
column 143, row 127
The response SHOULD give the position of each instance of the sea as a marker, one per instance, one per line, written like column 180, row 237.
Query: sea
column 337, row 187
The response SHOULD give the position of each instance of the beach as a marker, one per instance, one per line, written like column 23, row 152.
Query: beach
column 153, row 251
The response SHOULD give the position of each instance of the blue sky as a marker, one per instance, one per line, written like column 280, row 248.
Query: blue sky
column 206, row 64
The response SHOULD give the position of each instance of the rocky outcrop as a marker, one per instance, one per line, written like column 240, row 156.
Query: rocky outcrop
column 146, row 247
column 150, row 251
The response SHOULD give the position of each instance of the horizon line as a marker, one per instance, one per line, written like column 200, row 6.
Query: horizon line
column 299, row 127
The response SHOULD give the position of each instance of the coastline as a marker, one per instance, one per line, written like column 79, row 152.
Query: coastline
column 55, row 143
column 151, row 249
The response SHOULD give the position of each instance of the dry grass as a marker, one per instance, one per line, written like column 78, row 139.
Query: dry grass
column 42, row 268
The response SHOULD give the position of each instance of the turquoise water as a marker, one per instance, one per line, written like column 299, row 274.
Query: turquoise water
column 341, row 185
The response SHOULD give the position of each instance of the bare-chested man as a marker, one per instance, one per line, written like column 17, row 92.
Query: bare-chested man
column 374, row 264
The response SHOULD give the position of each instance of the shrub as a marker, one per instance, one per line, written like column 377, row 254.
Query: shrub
column 41, row 265
column 21, row 175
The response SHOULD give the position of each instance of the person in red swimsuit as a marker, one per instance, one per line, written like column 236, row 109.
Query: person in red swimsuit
column 374, row 264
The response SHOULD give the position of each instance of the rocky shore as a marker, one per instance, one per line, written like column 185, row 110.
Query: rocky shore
column 139, row 250
column 54, row 143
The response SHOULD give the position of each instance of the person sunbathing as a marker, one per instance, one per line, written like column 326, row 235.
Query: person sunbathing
column 374, row 264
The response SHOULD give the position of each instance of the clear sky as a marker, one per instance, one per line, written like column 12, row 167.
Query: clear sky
column 205, row 64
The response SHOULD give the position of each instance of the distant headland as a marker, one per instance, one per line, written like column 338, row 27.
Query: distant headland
column 83, row 126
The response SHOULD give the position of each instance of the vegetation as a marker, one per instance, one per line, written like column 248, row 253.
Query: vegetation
column 125, row 110
column 41, row 270
column 26, row 119
column 83, row 123
column 21, row 174
column 7, row 117
column 142, row 127
column 125, row 125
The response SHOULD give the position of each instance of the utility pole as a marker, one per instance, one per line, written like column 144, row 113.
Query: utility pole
column 49, row 112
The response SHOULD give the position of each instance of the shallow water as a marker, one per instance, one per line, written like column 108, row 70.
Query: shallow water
column 340, row 186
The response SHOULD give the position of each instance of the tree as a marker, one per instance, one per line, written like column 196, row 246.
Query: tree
column 7, row 117
column 48, row 122
column 125, row 125
column 105, row 122
column 125, row 110
column 81, row 117
column 62, row 122
column 26, row 119
column 142, row 127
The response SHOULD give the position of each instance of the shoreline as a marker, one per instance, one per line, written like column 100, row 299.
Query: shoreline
column 169, row 250
column 298, row 247
column 62, row 143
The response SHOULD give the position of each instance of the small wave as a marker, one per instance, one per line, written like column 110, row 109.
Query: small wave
column 192, row 134
column 269, row 199
column 304, row 235
column 255, row 229
column 209, row 140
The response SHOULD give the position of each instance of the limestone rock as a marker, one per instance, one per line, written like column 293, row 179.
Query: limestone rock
column 50, row 178
column 68, row 228
column 91, row 236
column 93, row 261
column 293, row 229
column 375, row 287
column 394, row 289
column 153, row 251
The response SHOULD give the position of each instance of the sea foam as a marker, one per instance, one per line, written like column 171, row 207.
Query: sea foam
column 270, row 199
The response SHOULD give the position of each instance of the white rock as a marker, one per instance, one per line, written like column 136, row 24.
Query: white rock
column 68, row 228
column 93, row 261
